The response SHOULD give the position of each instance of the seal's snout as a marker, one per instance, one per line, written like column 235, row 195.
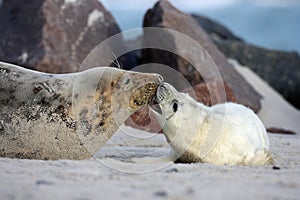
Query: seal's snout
column 143, row 95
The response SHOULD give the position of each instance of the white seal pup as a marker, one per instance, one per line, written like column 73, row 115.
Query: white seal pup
column 67, row 116
column 224, row 134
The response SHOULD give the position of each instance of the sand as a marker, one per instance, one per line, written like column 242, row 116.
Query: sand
column 130, row 167
column 103, row 179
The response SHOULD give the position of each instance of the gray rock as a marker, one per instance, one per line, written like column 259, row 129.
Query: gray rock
column 279, row 69
column 215, row 29
column 164, row 15
column 52, row 36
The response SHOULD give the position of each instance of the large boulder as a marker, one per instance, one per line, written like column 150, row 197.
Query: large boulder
column 203, row 95
column 215, row 30
column 164, row 15
column 279, row 69
column 52, row 36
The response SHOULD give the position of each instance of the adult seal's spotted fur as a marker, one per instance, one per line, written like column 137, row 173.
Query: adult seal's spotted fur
column 67, row 116
column 224, row 134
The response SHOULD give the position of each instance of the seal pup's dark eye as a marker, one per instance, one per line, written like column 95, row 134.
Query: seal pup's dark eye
column 175, row 107
column 127, row 81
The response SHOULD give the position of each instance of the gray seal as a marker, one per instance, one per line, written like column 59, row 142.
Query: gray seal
column 67, row 116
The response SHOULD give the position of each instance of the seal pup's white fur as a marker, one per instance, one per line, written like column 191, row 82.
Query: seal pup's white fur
column 224, row 134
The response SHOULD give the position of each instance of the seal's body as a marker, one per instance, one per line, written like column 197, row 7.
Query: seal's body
column 66, row 116
column 224, row 134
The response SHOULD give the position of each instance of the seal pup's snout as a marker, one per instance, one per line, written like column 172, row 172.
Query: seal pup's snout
column 162, row 101
column 161, row 93
column 159, row 97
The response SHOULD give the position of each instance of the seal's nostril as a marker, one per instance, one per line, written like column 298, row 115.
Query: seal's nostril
column 162, row 87
column 161, row 79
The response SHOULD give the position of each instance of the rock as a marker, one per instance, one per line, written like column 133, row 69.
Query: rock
column 164, row 15
column 143, row 120
column 135, row 45
column 215, row 30
column 52, row 35
column 279, row 69
column 280, row 131
column 204, row 96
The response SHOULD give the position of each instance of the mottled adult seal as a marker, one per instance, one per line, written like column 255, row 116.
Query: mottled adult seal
column 224, row 134
column 67, row 116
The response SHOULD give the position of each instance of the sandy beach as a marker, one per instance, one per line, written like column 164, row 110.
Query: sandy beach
column 103, row 179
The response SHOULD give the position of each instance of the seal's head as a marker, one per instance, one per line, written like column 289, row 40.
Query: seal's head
column 178, row 114
column 131, row 91
column 106, row 98
column 118, row 93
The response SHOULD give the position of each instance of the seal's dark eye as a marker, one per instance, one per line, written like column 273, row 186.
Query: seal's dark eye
column 175, row 107
column 127, row 81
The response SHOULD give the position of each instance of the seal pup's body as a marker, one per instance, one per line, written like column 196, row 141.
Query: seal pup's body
column 66, row 116
column 224, row 134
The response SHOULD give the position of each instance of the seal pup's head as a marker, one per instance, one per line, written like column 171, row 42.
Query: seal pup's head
column 179, row 116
